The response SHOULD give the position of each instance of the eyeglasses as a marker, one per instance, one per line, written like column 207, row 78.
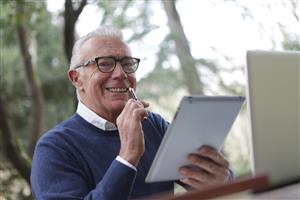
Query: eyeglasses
column 108, row 64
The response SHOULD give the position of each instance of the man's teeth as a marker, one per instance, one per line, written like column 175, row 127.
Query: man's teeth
column 117, row 90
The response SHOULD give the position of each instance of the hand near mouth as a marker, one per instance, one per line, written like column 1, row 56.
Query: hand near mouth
column 131, row 133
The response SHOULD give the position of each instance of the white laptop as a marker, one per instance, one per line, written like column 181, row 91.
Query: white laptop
column 273, row 101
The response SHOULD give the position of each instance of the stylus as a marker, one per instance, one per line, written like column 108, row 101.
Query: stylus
column 133, row 95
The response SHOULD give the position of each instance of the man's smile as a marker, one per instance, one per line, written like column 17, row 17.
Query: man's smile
column 117, row 89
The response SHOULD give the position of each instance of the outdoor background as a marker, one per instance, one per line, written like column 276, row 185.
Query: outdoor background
column 186, row 47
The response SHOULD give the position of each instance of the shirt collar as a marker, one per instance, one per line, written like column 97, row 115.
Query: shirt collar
column 91, row 117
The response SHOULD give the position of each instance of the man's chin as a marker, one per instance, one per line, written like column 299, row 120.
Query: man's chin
column 118, row 106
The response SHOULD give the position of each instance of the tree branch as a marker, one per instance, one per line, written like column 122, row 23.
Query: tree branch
column 294, row 9
column 80, row 8
column 71, row 17
column 11, row 150
column 69, row 27
column 31, row 82
column 186, row 59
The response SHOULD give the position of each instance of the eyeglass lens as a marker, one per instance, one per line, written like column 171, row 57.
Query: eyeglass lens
column 107, row 64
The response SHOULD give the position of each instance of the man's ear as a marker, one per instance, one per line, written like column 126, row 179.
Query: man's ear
column 74, row 78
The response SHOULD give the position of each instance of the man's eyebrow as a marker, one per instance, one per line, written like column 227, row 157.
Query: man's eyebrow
column 111, row 56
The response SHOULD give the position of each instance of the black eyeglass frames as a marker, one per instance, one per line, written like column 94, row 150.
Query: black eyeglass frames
column 108, row 64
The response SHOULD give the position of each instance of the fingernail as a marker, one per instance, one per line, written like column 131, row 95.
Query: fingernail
column 202, row 150
column 192, row 158
column 183, row 171
column 184, row 180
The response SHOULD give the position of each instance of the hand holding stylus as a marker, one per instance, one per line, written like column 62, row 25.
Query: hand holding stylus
column 130, row 129
column 133, row 95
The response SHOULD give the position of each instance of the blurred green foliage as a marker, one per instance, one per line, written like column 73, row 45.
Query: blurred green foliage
column 46, row 40
column 48, row 59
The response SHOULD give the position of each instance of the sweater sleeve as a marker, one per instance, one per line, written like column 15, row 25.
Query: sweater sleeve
column 56, row 175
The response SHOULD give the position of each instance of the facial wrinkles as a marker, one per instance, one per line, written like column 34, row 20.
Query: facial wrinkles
column 93, row 73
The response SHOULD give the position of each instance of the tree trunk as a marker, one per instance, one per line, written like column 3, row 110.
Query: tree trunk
column 11, row 150
column 187, row 62
column 71, row 17
column 32, row 83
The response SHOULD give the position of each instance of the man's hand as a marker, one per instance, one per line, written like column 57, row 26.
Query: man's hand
column 207, row 167
column 131, row 132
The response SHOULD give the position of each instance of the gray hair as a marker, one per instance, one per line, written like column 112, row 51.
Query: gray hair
column 101, row 31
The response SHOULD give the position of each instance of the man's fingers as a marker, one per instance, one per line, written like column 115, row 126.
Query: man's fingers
column 192, row 183
column 135, row 103
column 145, row 104
column 208, row 166
column 197, row 174
column 135, row 109
column 214, row 155
column 140, row 113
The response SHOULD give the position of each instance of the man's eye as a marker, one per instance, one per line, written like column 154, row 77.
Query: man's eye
column 106, row 64
column 126, row 64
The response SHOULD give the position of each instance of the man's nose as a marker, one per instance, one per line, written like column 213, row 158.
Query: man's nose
column 118, row 71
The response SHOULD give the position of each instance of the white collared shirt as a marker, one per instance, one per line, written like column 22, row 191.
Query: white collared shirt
column 101, row 123
column 91, row 117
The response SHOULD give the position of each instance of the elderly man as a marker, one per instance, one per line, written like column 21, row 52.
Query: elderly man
column 105, row 149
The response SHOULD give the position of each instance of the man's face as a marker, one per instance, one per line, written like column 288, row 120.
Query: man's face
column 105, row 93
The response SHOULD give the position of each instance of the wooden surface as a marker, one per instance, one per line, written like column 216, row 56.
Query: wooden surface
column 253, row 183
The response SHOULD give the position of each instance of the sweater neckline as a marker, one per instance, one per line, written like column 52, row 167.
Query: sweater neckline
column 82, row 121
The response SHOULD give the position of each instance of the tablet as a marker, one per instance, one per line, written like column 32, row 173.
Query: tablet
column 199, row 120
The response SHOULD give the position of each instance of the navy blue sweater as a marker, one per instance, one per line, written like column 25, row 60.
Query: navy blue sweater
column 76, row 160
